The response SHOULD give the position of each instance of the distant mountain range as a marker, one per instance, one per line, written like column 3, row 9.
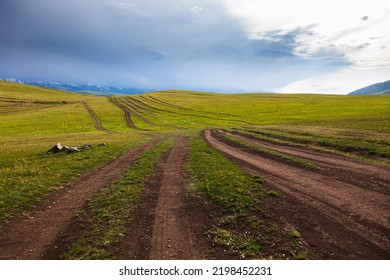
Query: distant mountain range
column 89, row 88
column 378, row 88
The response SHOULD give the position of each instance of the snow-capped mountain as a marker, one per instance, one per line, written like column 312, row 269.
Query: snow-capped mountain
column 88, row 88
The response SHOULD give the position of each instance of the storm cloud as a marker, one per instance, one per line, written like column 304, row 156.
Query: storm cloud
column 191, row 44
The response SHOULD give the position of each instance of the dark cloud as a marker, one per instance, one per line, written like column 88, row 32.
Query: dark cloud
column 156, row 44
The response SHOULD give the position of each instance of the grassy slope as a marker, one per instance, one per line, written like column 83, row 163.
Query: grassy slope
column 33, row 119
column 360, row 112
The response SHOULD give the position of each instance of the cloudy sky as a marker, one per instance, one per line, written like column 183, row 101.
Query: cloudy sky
column 323, row 46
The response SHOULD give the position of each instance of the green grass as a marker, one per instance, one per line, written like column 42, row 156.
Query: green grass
column 111, row 210
column 220, row 179
column 199, row 110
column 173, row 109
column 25, row 92
column 27, row 173
column 110, row 115
column 273, row 193
column 295, row 234
column 33, row 119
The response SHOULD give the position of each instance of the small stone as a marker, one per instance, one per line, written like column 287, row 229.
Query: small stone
column 87, row 147
column 56, row 149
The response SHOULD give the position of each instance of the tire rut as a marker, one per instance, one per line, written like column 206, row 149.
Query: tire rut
column 135, row 110
column 96, row 121
column 362, row 212
column 30, row 237
column 125, row 110
column 182, row 111
column 336, row 166
column 162, row 229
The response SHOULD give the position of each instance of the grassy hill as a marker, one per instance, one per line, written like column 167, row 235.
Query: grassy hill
column 194, row 110
column 33, row 119
column 33, row 110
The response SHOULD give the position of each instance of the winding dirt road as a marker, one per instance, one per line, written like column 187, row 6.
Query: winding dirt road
column 30, row 237
column 351, row 216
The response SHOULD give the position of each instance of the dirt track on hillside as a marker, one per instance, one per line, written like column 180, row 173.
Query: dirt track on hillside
column 342, row 210
column 32, row 236
column 125, row 110
column 96, row 121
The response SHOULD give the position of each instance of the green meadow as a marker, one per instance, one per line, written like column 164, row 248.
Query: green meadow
column 33, row 119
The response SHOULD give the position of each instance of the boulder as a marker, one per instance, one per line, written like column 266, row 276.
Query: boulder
column 56, row 149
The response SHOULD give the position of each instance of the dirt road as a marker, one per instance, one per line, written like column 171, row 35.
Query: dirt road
column 30, row 237
column 348, row 217
column 341, row 210
column 163, row 225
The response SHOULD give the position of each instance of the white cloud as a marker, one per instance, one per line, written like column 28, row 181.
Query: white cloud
column 249, row 45
column 339, row 82
column 196, row 11
column 336, row 24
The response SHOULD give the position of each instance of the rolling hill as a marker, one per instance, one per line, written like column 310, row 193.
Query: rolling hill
column 241, row 174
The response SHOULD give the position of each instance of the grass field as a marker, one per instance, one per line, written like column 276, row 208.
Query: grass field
column 33, row 119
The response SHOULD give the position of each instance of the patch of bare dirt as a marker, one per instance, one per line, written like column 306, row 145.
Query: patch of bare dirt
column 32, row 236
column 338, row 219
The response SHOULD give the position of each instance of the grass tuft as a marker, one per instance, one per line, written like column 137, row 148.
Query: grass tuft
column 273, row 193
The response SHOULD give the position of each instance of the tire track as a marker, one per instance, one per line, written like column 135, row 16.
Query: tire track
column 337, row 166
column 130, row 110
column 199, row 113
column 163, row 228
column 156, row 113
column 96, row 121
column 363, row 213
column 160, row 102
column 172, row 238
column 30, row 237
column 125, row 110
column 137, row 111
